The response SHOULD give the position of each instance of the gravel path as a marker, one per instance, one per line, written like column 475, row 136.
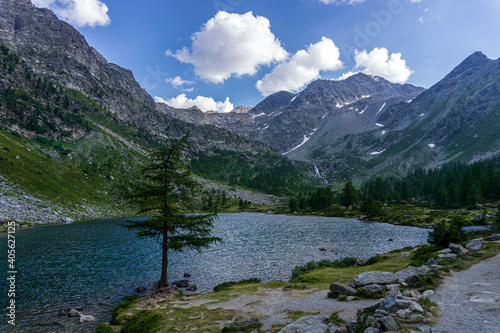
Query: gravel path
column 275, row 303
column 470, row 300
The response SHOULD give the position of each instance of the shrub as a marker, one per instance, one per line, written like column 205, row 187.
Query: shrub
column 445, row 233
column 425, row 252
column 103, row 328
column 373, row 260
column 335, row 319
column 144, row 321
column 225, row 285
column 342, row 298
column 125, row 304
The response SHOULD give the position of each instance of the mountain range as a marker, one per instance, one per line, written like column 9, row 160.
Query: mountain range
column 60, row 98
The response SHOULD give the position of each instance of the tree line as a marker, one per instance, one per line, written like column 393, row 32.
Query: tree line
column 451, row 186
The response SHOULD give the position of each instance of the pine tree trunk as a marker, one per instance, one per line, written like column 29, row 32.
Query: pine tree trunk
column 164, row 259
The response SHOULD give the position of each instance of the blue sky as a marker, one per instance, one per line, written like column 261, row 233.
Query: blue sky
column 220, row 54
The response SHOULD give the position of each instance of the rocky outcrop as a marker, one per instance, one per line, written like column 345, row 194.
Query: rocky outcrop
column 375, row 277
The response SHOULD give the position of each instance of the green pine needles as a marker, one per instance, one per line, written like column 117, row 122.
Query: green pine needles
column 167, row 190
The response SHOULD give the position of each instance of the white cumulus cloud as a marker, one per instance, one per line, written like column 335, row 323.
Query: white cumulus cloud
column 341, row 2
column 203, row 103
column 78, row 12
column 231, row 44
column 178, row 82
column 379, row 63
column 301, row 68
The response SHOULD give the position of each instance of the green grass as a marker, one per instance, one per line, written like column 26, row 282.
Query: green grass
column 323, row 277
column 80, row 178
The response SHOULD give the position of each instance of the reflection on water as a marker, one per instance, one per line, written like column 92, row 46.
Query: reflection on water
column 90, row 263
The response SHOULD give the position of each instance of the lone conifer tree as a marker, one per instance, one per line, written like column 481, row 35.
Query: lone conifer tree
column 167, row 192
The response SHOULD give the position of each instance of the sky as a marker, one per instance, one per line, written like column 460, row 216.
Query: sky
column 219, row 54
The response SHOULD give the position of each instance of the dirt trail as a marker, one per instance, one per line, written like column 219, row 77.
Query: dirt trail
column 470, row 299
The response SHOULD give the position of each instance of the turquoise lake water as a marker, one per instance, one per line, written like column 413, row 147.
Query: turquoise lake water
column 88, row 263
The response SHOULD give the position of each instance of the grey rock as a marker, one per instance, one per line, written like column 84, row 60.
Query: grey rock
column 428, row 293
column 388, row 323
column 449, row 256
column 417, row 316
column 494, row 237
column 181, row 283
column 375, row 277
column 310, row 324
column 373, row 288
column 474, row 244
column 192, row 287
column 411, row 271
column 446, row 250
column 74, row 313
column 431, row 262
column 62, row 313
column 458, row 249
column 436, row 267
column 394, row 291
column 371, row 330
column 342, row 289
column 403, row 313
column 86, row 318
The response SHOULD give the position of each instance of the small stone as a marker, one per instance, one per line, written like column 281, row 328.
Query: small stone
column 181, row 283
column 428, row 293
column 375, row 277
column 62, row 313
column 394, row 291
column 446, row 250
column 403, row 313
column 371, row 330
column 431, row 262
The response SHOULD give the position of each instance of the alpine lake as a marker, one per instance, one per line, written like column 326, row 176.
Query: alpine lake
column 93, row 264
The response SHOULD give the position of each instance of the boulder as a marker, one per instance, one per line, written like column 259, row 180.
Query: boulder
column 388, row 323
column 411, row 271
column 191, row 287
column 342, row 289
column 181, row 283
column 310, row 324
column 393, row 304
column 458, row 249
column 494, row 237
column 85, row 318
column 449, row 256
column 373, row 288
column 427, row 293
column 474, row 244
column 375, row 277
column 446, row 250
column 74, row 313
